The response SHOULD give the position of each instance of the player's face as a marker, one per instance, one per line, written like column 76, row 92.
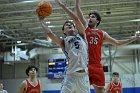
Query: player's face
column 1, row 86
column 115, row 77
column 92, row 20
column 32, row 72
column 69, row 29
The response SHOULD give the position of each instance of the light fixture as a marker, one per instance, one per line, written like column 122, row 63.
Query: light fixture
column 51, row 26
column 18, row 42
column 48, row 22
column 137, row 32
column 29, row 1
column 135, row 20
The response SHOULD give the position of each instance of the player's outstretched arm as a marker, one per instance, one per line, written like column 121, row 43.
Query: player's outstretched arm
column 49, row 33
column 79, row 13
column 116, row 42
column 73, row 16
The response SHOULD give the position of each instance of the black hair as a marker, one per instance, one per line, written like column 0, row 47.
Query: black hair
column 115, row 73
column 68, row 22
column 97, row 16
column 29, row 68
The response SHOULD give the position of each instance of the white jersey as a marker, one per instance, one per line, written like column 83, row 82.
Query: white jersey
column 76, row 50
column 3, row 91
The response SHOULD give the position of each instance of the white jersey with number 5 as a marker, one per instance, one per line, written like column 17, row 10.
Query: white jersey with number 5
column 76, row 50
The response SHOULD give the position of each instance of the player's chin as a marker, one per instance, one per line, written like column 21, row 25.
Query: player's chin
column 91, row 24
column 70, row 30
column 33, row 73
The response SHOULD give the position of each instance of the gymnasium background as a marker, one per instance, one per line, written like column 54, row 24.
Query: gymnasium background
column 124, row 60
column 22, row 42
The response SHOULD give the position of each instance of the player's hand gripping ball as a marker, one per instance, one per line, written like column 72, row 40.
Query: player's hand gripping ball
column 44, row 9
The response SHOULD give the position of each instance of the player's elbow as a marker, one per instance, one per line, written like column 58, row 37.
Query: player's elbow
column 116, row 44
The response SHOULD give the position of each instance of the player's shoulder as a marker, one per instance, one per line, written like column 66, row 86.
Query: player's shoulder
column 24, row 83
column 39, row 80
column 120, row 82
column 111, row 82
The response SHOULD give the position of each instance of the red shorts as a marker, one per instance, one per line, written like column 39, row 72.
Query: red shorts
column 96, row 75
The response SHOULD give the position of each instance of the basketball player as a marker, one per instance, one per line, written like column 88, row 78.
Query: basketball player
column 95, row 39
column 1, row 88
column 75, row 47
column 115, row 86
column 32, row 84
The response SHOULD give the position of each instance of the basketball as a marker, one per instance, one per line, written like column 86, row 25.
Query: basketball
column 44, row 9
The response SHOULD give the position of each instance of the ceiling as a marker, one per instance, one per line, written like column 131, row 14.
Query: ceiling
column 19, row 22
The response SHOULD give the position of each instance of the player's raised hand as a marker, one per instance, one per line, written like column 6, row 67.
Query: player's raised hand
column 137, row 34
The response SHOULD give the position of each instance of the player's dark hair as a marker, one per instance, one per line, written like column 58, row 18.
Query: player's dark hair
column 115, row 73
column 29, row 68
column 97, row 16
column 68, row 21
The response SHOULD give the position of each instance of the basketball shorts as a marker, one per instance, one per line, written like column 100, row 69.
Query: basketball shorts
column 96, row 75
column 76, row 83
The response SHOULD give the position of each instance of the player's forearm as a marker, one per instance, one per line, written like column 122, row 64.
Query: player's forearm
column 49, row 33
column 45, row 27
column 73, row 16
column 79, row 12
column 77, row 6
column 127, row 41
column 68, row 11
column 116, row 42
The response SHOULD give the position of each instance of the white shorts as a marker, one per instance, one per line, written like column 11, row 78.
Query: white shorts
column 76, row 83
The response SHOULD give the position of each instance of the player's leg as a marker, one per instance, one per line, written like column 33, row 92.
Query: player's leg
column 67, row 86
column 65, row 89
column 82, row 83
column 97, row 78
column 98, row 89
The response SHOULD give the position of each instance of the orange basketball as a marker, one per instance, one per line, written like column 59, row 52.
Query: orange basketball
column 44, row 9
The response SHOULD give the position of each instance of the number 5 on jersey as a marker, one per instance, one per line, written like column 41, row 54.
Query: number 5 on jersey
column 76, row 44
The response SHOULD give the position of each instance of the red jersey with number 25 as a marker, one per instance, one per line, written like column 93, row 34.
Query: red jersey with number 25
column 95, row 40
column 33, row 89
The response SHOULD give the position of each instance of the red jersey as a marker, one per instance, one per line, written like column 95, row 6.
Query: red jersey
column 115, row 87
column 95, row 40
column 95, row 69
column 33, row 89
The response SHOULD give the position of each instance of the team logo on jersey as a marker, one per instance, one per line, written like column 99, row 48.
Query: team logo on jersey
column 34, row 91
column 95, row 33
column 74, row 39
